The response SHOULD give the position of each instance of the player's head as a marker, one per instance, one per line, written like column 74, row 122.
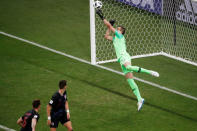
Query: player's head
column 62, row 84
column 36, row 104
column 121, row 29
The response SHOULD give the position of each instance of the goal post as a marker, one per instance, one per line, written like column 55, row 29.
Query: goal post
column 153, row 27
column 92, row 33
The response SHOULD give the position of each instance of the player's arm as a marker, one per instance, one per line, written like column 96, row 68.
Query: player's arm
column 109, row 26
column 52, row 102
column 107, row 23
column 107, row 35
column 33, row 124
column 67, row 110
column 20, row 121
column 49, row 114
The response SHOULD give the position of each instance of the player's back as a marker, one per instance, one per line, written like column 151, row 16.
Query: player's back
column 27, row 119
column 58, row 102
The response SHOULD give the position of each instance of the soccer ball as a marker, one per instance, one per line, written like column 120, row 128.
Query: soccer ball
column 98, row 4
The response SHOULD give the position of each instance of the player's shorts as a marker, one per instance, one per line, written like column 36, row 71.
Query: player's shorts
column 122, row 60
column 56, row 117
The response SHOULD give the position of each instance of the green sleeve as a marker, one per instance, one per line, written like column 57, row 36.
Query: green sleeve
column 117, row 34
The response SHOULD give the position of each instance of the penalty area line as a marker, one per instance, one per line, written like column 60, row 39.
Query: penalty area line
column 100, row 66
column 6, row 128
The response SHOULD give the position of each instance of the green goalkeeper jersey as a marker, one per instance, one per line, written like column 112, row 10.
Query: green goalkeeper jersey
column 119, row 44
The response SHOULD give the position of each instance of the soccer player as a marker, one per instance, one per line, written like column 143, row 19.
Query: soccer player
column 123, row 56
column 58, row 109
column 29, row 120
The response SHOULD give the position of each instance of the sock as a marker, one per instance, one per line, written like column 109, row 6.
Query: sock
column 138, row 69
column 134, row 88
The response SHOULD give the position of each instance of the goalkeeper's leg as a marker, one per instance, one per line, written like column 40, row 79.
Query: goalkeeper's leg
column 125, row 60
column 140, row 70
column 133, row 86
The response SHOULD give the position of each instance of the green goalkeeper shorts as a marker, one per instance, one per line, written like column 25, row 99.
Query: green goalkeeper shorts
column 122, row 60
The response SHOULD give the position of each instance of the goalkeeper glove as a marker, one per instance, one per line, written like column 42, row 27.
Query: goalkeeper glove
column 112, row 22
column 100, row 14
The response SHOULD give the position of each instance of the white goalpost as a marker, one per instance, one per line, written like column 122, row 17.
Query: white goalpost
column 92, row 33
column 153, row 27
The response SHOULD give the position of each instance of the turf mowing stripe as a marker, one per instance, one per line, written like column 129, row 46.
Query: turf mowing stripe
column 103, row 67
column 6, row 129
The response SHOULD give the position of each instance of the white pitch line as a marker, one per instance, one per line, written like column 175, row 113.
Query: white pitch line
column 6, row 128
column 103, row 67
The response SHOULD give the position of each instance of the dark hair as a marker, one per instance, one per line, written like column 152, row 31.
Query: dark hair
column 36, row 103
column 122, row 29
column 62, row 84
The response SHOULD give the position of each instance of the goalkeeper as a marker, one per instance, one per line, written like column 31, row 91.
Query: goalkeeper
column 123, row 57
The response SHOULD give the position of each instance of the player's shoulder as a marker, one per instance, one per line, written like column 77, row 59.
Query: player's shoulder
column 28, row 113
column 35, row 114
column 56, row 94
column 118, row 34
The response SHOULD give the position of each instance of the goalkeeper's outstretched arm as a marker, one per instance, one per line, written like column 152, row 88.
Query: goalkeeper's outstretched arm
column 107, row 35
column 109, row 26
column 107, row 23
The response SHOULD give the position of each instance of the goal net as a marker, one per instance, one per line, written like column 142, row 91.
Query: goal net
column 153, row 27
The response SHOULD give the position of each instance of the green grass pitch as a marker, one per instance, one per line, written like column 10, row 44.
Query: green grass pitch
column 98, row 99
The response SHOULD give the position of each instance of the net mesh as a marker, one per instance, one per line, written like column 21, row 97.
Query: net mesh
column 148, row 32
column 179, row 29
